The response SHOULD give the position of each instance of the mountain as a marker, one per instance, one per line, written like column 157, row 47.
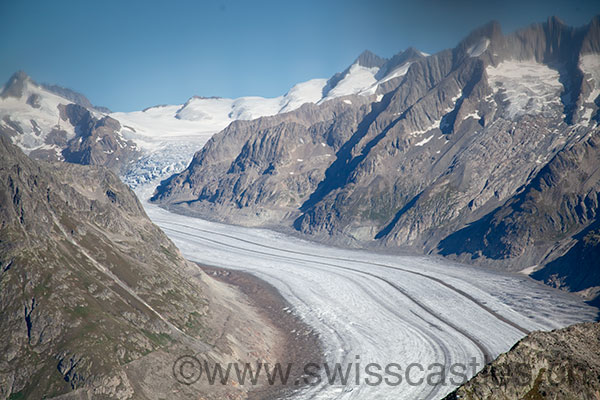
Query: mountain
column 556, row 211
column 465, row 153
column 212, row 114
column 96, row 301
column 57, row 124
column 561, row 364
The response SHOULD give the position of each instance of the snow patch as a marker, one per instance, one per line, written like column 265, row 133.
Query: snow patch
column 396, row 73
column 434, row 125
column 455, row 98
column 479, row 48
column 527, row 86
column 472, row 115
column 590, row 66
column 357, row 79
column 422, row 142
column 587, row 114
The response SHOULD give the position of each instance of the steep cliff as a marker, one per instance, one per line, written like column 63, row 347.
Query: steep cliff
column 95, row 299
column 561, row 364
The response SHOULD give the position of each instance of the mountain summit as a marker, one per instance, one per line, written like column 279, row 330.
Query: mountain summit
column 57, row 124
column 450, row 156
column 368, row 59
column 15, row 85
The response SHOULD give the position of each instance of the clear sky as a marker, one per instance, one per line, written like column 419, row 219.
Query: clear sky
column 131, row 54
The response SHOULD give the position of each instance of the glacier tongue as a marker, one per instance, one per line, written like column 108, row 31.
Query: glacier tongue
column 382, row 308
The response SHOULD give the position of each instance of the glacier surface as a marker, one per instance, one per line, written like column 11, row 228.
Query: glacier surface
column 382, row 308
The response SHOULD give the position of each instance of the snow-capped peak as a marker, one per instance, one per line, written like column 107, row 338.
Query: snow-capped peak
column 32, row 111
column 207, row 115
column 15, row 85
column 357, row 79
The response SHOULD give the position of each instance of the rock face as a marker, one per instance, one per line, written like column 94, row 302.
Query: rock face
column 57, row 124
column 577, row 270
column 96, row 301
column 556, row 211
column 562, row 364
column 454, row 146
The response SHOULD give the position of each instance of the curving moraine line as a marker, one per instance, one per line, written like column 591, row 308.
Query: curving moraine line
column 485, row 351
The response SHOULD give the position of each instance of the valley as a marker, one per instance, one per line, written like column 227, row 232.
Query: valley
column 421, row 224
column 383, row 308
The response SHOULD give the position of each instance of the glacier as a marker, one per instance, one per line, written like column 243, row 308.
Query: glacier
column 381, row 308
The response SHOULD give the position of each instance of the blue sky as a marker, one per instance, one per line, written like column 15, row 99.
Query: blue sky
column 129, row 55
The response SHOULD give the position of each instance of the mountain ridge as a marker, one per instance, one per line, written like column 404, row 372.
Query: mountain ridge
column 57, row 124
column 399, row 152
column 146, row 144
column 96, row 301
column 439, row 148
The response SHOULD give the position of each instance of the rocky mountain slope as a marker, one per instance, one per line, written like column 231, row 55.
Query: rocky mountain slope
column 457, row 145
column 169, row 135
column 57, row 124
column 556, row 211
column 96, row 302
column 561, row 364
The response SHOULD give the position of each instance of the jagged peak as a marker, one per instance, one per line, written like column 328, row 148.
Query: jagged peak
column 412, row 52
column 20, row 75
column 555, row 27
column 408, row 55
column 555, row 21
column 366, row 59
column 591, row 42
column 15, row 85
column 492, row 28
column 491, row 31
column 369, row 59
